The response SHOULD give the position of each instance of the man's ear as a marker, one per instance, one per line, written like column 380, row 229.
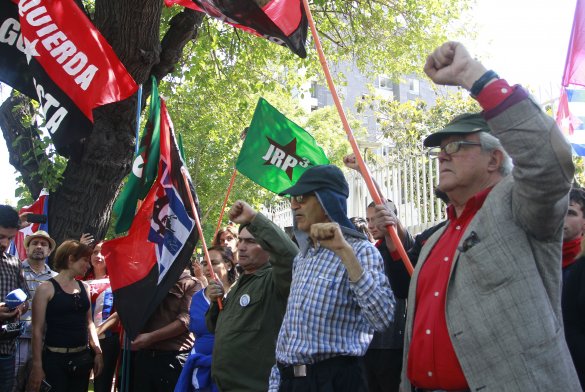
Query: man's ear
column 496, row 161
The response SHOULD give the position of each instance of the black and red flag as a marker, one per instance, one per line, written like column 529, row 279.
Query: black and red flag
column 281, row 21
column 50, row 51
column 146, row 263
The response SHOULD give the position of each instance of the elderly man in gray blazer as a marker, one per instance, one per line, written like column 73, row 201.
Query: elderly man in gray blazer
column 485, row 296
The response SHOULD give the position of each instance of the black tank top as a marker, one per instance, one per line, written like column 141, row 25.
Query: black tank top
column 66, row 318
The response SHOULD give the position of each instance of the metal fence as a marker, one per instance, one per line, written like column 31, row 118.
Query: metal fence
column 409, row 184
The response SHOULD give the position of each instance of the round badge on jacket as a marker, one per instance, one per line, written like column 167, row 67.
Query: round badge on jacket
column 244, row 300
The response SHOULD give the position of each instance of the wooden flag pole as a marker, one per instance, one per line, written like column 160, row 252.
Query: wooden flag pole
column 198, row 223
column 364, row 169
column 225, row 200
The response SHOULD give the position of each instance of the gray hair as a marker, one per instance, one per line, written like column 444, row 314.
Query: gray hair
column 491, row 143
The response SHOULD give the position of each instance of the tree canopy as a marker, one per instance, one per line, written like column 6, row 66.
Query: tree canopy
column 211, row 76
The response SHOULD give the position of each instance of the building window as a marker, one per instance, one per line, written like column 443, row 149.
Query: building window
column 414, row 86
column 384, row 83
column 313, row 89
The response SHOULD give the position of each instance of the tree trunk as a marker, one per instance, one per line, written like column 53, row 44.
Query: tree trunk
column 83, row 202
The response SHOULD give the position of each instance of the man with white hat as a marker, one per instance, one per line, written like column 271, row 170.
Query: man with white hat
column 39, row 246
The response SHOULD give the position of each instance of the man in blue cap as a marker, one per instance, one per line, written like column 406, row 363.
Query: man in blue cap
column 339, row 292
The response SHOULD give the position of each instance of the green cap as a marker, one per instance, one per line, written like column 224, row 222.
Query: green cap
column 464, row 124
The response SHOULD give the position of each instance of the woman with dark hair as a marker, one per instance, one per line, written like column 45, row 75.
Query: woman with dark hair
column 62, row 312
column 228, row 238
column 196, row 374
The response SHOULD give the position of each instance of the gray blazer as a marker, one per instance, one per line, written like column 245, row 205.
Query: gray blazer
column 503, row 306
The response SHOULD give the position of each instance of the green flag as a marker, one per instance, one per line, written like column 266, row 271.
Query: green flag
column 276, row 150
column 144, row 166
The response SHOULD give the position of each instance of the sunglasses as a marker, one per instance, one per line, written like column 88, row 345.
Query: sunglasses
column 301, row 199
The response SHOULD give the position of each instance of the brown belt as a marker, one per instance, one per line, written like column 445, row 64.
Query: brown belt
column 66, row 350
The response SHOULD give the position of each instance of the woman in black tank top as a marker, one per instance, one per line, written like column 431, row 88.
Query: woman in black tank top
column 62, row 319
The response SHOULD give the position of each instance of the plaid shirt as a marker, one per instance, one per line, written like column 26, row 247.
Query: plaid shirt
column 327, row 315
column 33, row 280
column 11, row 278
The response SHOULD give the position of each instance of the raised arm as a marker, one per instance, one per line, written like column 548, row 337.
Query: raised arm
column 272, row 239
column 351, row 162
column 543, row 168
column 366, row 273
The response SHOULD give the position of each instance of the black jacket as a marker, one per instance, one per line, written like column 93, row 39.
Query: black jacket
column 573, row 303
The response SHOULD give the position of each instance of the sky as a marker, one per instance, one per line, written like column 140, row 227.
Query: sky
column 524, row 41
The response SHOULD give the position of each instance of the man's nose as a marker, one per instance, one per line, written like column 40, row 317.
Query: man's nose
column 443, row 156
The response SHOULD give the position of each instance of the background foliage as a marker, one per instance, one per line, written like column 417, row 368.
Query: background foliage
column 213, row 87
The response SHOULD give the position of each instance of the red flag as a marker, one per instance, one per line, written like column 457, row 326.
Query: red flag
column 144, row 264
column 575, row 63
column 40, row 206
column 73, row 53
column 281, row 21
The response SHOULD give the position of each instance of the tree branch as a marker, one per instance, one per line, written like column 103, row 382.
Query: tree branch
column 20, row 140
column 183, row 28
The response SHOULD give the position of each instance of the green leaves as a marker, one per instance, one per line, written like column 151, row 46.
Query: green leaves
column 406, row 124
column 212, row 94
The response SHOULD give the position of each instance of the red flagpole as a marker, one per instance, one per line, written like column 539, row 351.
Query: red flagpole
column 225, row 200
column 198, row 222
column 364, row 169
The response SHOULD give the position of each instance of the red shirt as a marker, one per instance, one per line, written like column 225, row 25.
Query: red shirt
column 432, row 362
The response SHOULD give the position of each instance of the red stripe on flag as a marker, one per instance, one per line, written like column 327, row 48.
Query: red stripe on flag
column 74, row 53
column 286, row 14
column 131, row 258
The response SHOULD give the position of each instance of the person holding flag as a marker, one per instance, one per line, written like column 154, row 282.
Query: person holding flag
column 246, row 329
column 196, row 374
column 163, row 345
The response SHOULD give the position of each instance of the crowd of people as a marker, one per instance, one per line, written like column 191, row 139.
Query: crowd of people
column 496, row 301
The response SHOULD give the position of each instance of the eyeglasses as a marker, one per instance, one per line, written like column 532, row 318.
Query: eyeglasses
column 301, row 199
column 450, row 148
